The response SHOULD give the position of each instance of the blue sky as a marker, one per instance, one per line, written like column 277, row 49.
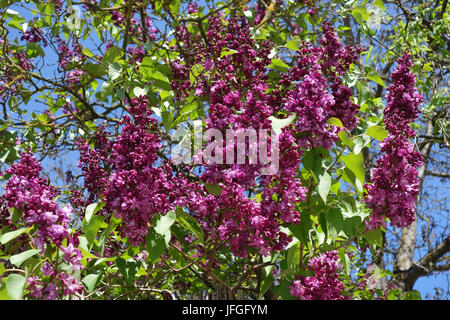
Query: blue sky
column 425, row 285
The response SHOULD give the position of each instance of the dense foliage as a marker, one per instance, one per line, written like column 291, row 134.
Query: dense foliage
column 109, row 84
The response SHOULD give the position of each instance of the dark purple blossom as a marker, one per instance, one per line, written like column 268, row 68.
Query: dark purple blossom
column 325, row 284
column 395, row 184
column 34, row 35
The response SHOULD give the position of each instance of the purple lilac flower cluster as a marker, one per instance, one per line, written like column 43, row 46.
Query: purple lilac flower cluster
column 318, row 92
column 237, row 97
column 325, row 284
column 32, row 195
column 67, row 55
column 143, row 30
column 395, row 184
column 58, row 4
column 74, row 77
column 34, row 35
column 122, row 172
column 193, row 7
column 369, row 282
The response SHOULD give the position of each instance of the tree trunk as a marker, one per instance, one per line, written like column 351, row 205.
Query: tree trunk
column 404, row 265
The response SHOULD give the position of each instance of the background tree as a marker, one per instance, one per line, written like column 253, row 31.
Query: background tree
column 107, row 82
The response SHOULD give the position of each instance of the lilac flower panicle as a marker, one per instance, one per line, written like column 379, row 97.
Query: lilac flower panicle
column 395, row 184
column 27, row 192
column 325, row 284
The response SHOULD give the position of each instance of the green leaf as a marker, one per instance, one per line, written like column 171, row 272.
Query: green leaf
column 335, row 187
column 33, row 50
column 92, row 209
column 18, row 259
column 3, row 291
column 104, row 236
column 283, row 290
column 196, row 70
column 312, row 161
column 128, row 269
column 87, row 52
column 324, row 186
column 213, row 189
column 5, row 238
column 2, row 269
column 293, row 256
column 278, row 64
column 16, row 19
column 90, row 281
column 278, row 124
column 345, row 138
column 148, row 46
column 355, row 163
column 350, row 79
column 373, row 75
column 374, row 237
column 323, row 226
column 91, row 229
column 159, row 80
column 364, row 92
column 84, row 247
column 334, row 221
column 42, row 118
column 14, row 285
column 268, row 280
column 301, row 230
column 265, row 285
column 95, row 70
column 293, row 44
column 165, row 222
column 335, row 122
column 228, row 52
column 3, row 5
column 360, row 143
column 16, row 214
column 158, row 73
column 8, row 155
column 112, row 55
column 167, row 118
column 360, row 13
column 114, row 71
column 377, row 132
column 48, row 13
column 345, row 260
column 394, row 294
column 427, row 67
column 379, row 4
column 412, row 295
column 349, row 176
column 259, row 33
column 189, row 222
column 188, row 108
column 138, row 91
column 156, row 244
